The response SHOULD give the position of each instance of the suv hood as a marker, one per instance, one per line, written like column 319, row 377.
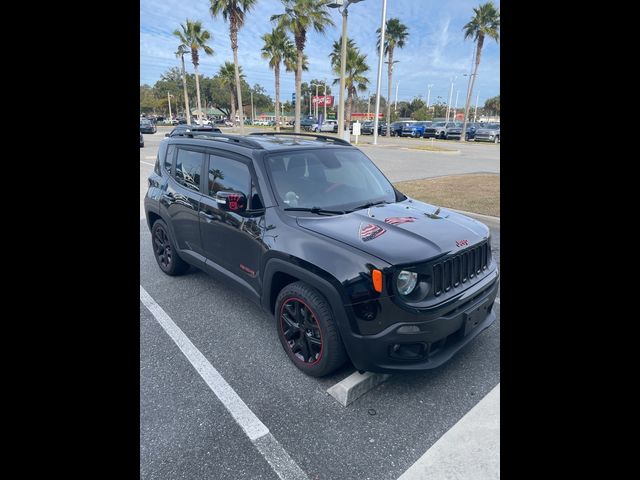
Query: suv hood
column 401, row 233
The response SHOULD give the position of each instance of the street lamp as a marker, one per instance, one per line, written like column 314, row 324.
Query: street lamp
column 169, row 99
column 429, row 94
column 379, row 79
column 343, row 54
column 316, row 85
column 450, row 97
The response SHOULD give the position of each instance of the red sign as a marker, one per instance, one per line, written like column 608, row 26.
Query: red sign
column 320, row 100
column 366, row 115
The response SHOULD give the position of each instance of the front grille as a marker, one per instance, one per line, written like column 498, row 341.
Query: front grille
column 460, row 268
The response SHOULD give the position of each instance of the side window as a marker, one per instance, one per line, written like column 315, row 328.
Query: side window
column 168, row 160
column 227, row 174
column 188, row 168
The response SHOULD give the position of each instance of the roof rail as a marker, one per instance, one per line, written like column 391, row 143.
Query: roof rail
column 240, row 140
column 323, row 138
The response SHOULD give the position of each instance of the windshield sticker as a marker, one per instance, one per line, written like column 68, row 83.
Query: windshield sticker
column 370, row 231
column 399, row 220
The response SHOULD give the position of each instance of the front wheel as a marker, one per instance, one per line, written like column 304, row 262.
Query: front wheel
column 307, row 330
column 497, row 139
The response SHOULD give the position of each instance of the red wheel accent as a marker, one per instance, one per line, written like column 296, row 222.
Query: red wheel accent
column 300, row 332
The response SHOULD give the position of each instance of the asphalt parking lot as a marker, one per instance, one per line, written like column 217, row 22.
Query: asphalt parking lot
column 186, row 431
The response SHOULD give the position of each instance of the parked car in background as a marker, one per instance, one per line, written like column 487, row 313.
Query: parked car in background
column 396, row 129
column 367, row 128
column 414, row 129
column 182, row 129
column 327, row 126
column 438, row 129
column 182, row 120
column 141, row 140
column 454, row 131
column 471, row 130
column 306, row 123
column 488, row 133
column 147, row 126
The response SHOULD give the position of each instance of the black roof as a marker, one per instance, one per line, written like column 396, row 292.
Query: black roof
column 264, row 140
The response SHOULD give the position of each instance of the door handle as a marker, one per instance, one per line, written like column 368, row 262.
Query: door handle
column 206, row 215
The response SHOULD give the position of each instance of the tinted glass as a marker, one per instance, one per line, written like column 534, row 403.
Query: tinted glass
column 493, row 126
column 330, row 179
column 229, row 175
column 188, row 168
column 168, row 160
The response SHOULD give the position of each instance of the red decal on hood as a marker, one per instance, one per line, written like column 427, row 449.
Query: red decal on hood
column 462, row 243
column 399, row 220
column 370, row 231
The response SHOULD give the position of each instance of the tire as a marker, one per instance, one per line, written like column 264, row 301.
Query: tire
column 316, row 358
column 497, row 139
column 164, row 250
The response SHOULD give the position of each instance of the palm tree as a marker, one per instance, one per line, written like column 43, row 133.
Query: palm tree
column 394, row 36
column 227, row 75
column 299, row 16
column 355, row 67
column 194, row 38
column 485, row 23
column 234, row 11
column 277, row 47
column 180, row 53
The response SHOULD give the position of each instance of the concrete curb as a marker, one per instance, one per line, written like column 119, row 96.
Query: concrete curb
column 355, row 385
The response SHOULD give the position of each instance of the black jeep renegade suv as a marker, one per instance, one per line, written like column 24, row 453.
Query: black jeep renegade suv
column 314, row 233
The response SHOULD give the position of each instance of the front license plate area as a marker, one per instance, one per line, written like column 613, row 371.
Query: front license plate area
column 473, row 317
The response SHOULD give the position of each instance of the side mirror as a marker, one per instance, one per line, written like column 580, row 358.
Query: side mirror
column 235, row 202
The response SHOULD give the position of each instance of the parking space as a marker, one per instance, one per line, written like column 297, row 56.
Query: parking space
column 186, row 431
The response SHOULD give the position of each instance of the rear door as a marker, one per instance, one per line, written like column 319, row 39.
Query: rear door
column 181, row 200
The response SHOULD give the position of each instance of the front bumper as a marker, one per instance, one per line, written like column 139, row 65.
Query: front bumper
column 484, row 138
column 430, row 338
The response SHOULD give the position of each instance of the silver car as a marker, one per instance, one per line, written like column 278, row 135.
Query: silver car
column 488, row 133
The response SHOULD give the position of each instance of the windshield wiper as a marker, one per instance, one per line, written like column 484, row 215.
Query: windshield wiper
column 316, row 210
column 368, row 205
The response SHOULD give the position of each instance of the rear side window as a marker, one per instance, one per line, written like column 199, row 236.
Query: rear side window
column 168, row 159
column 188, row 168
column 229, row 175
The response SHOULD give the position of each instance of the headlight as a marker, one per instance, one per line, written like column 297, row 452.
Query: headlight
column 406, row 282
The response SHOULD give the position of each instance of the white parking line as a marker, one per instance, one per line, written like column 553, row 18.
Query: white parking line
column 147, row 163
column 280, row 461
column 469, row 449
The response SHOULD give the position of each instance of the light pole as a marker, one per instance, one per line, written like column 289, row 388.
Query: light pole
column 380, row 52
column 253, row 113
column 369, row 107
column 429, row 94
column 343, row 54
column 450, row 98
column 169, row 99
column 475, row 112
column 316, row 85
column 455, row 106
column 324, row 103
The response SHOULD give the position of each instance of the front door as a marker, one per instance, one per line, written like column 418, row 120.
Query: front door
column 232, row 241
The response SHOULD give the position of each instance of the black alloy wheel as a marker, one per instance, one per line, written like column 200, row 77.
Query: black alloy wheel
column 165, row 252
column 301, row 331
column 307, row 331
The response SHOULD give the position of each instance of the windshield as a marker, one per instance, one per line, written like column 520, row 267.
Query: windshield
column 331, row 179
column 493, row 126
column 145, row 122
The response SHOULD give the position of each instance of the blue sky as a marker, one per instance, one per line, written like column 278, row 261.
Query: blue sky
column 434, row 53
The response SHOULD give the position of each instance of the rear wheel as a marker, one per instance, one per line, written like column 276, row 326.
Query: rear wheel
column 165, row 251
column 307, row 330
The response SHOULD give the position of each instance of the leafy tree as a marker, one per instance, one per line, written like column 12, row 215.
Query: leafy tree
column 485, row 23
column 277, row 47
column 194, row 38
column 493, row 105
column 299, row 17
column 234, row 12
column 395, row 35
column 355, row 68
